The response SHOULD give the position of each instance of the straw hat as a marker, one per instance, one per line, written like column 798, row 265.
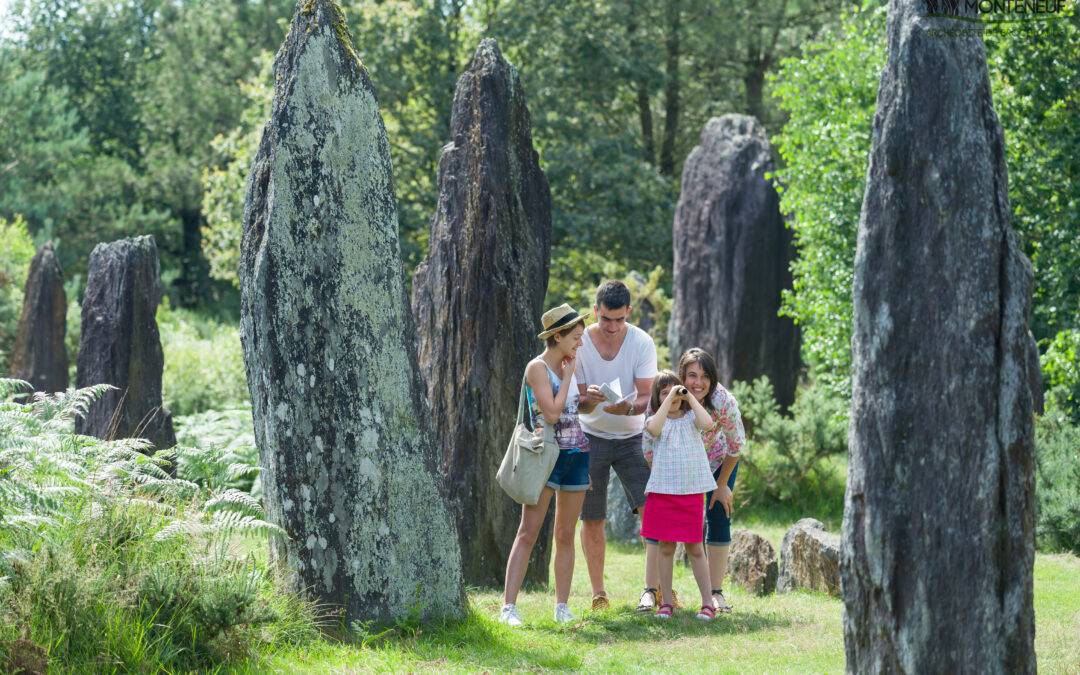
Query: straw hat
column 559, row 319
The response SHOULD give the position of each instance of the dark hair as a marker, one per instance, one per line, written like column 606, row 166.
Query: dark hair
column 551, row 342
column 663, row 379
column 707, row 363
column 613, row 295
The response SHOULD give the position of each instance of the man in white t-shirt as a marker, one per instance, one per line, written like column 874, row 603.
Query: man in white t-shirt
column 624, row 357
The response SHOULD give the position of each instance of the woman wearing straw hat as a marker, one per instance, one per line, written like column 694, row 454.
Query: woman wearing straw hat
column 553, row 399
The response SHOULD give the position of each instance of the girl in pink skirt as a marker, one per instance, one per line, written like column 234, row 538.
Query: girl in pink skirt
column 674, row 503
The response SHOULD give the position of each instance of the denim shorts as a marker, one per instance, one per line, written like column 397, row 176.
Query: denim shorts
column 571, row 471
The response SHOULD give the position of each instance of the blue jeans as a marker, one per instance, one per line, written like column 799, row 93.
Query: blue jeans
column 718, row 522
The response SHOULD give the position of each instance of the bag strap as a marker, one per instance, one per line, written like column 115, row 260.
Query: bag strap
column 521, row 417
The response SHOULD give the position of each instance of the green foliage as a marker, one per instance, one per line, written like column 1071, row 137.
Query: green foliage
column 224, row 186
column 787, row 457
column 830, row 93
column 204, row 364
column 576, row 274
column 1057, row 484
column 113, row 104
column 1060, row 366
column 108, row 560
column 1037, row 97
column 18, row 251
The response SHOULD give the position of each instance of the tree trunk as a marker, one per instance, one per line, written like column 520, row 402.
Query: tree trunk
column 672, row 102
column 939, row 513
column 644, row 106
column 478, row 297
column 341, row 420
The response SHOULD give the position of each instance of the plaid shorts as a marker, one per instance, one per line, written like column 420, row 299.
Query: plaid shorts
column 625, row 456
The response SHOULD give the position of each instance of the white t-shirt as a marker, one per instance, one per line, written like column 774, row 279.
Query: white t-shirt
column 636, row 360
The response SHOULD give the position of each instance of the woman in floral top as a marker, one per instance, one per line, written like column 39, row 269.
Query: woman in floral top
column 724, row 443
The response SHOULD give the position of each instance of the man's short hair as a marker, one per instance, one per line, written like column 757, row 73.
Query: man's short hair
column 613, row 295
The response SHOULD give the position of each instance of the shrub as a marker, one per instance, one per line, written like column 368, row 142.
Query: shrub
column 789, row 459
column 190, row 340
column 1061, row 374
column 217, row 450
column 18, row 251
column 576, row 274
column 1057, row 484
column 112, row 564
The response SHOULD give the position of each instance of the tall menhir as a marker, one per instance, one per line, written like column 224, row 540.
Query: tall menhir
column 939, row 513
column 340, row 414
column 477, row 299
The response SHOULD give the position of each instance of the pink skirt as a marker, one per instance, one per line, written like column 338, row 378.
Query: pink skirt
column 673, row 517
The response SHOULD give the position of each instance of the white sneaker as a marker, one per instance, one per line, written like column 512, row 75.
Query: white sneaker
column 509, row 615
column 563, row 614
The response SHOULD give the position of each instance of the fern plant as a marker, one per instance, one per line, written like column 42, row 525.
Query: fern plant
column 46, row 470
column 101, row 543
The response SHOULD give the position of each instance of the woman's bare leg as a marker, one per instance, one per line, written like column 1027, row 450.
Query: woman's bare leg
column 567, row 509
column 532, row 517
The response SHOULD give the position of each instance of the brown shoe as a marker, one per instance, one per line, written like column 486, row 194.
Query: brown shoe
column 600, row 602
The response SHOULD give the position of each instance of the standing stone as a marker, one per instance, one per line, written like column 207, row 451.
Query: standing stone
column 39, row 356
column 622, row 524
column 939, row 511
column 809, row 559
column 732, row 253
column 337, row 400
column 119, row 343
column 478, row 297
column 752, row 563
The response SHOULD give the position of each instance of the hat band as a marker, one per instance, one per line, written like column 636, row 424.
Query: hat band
column 572, row 316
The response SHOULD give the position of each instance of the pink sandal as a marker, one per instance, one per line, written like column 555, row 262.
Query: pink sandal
column 706, row 613
column 664, row 611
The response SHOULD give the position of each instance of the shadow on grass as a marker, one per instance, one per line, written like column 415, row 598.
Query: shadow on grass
column 476, row 640
column 628, row 625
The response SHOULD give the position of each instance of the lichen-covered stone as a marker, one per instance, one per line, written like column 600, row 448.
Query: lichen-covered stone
column 752, row 563
column 809, row 559
column 939, row 511
column 478, row 297
column 39, row 356
column 338, row 403
column 119, row 343
column 732, row 254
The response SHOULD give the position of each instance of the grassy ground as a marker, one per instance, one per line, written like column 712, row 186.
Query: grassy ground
column 797, row 633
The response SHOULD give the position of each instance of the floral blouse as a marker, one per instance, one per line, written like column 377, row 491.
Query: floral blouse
column 725, row 437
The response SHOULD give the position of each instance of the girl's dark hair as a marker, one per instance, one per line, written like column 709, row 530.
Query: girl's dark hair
column 663, row 379
column 707, row 363
column 551, row 342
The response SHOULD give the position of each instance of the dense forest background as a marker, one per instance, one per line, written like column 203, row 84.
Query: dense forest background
column 124, row 117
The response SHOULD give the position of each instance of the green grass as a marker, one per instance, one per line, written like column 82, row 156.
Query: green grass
column 797, row 633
